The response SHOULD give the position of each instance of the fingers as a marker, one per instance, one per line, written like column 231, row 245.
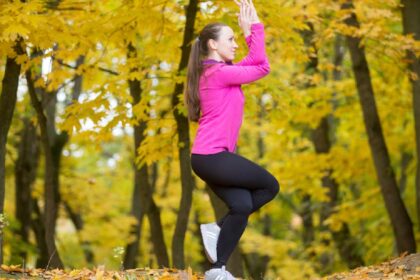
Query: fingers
column 247, row 11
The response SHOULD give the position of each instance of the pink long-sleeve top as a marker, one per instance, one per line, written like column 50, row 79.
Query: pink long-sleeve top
column 221, row 97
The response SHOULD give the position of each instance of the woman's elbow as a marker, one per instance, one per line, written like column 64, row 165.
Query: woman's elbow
column 266, row 69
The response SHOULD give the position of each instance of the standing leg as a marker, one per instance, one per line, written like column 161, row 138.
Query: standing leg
column 239, row 201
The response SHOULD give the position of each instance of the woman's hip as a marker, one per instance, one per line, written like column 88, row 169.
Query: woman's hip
column 230, row 169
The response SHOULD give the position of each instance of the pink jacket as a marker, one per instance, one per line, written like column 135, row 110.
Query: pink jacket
column 222, row 99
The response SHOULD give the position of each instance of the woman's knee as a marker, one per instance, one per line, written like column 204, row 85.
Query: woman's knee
column 274, row 186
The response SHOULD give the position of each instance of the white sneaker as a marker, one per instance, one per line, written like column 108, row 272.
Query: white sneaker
column 210, row 234
column 218, row 274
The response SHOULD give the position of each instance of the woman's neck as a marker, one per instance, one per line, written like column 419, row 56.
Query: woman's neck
column 215, row 57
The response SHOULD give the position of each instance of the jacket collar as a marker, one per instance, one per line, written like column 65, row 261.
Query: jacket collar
column 213, row 61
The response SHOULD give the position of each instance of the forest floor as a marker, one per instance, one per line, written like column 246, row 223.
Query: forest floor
column 405, row 267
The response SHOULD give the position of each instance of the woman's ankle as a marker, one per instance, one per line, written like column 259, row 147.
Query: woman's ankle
column 217, row 265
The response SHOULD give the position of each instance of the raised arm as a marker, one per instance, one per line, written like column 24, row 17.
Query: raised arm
column 256, row 45
column 228, row 75
column 255, row 65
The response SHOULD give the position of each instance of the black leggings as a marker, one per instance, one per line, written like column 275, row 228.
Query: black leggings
column 243, row 185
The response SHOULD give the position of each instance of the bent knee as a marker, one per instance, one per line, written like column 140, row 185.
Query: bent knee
column 275, row 187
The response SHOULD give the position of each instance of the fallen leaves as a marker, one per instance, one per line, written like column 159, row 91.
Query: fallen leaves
column 100, row 273
column 405, row 267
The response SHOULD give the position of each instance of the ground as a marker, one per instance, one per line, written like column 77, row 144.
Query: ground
column 406, row 267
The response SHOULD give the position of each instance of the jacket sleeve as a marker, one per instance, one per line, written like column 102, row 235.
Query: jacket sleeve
column 237, row 75
column 253, row 67
column 256, row 45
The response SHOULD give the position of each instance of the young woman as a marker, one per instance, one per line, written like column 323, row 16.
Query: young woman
column 214, row 89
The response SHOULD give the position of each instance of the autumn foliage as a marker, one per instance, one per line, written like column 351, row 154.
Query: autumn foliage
column 95, row 159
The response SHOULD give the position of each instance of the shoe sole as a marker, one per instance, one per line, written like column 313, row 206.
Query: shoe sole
column 205, row 246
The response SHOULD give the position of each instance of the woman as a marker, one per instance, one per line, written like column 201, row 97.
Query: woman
column 214, row 89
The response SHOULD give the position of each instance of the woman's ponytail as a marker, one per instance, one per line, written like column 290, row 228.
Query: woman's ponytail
column 199, row 51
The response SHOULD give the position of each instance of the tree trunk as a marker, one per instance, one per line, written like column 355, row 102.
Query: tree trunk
column 25, row 174
column 156, row 234
column 187, row 182
column 401, row 222
column 142, row 190
column 7, row 106
column 56, row 143
column 38, row 226
column 411, row 25
column 51, row 207
column 305, row 211
column 157, row 237
column 406, row 158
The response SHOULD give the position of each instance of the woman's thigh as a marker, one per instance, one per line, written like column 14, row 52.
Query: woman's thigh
column 227, row 169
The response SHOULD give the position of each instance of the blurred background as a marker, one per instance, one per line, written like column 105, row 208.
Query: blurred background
column 95, row 143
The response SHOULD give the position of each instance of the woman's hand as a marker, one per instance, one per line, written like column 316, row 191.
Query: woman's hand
column 247, row 15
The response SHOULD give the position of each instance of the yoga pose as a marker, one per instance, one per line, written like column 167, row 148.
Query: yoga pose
column 214, row 90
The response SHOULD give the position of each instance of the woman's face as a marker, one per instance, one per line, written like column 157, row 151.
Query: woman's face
column 225, row 46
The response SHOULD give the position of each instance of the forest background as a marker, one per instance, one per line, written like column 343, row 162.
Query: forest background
column 95, row 143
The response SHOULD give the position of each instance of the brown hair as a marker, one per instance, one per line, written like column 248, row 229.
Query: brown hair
column 199, row 50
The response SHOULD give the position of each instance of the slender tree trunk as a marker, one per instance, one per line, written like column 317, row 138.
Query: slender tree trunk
column 166, row 181
column 38, row 226
column 157, row 237
column 310, row 69
column 305, row 211
column 7, row 106
column 187, row 182
column 406, row 158
column 411, row 25
column 142, row 190
column 55, row 145
column 25, row 174
column 153, row 215
column 58, row 142
column 401, row 222
column 51, row 207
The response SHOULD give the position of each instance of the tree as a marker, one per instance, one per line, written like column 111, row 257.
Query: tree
column 411, row 25
column 187, row 182
column 401, row 222
column 7, row 106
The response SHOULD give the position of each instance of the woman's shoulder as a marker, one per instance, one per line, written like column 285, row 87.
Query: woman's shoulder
column 211, row 69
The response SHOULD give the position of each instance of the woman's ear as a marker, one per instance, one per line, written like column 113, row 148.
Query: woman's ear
column 212, row 44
